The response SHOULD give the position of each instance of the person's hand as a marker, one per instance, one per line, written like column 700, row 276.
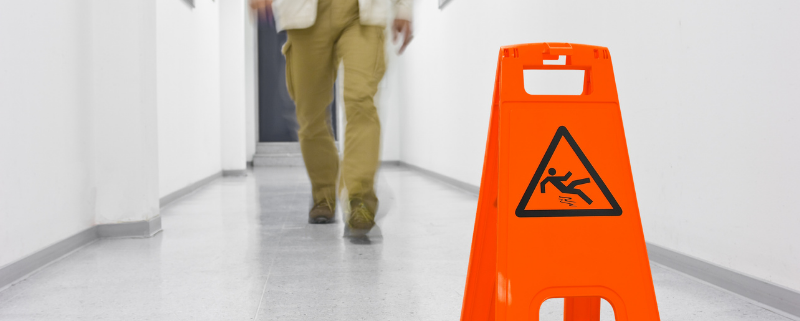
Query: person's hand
column 402, row 26
column 263, row 7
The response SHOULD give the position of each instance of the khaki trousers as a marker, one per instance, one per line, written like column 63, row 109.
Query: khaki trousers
column 312, row 60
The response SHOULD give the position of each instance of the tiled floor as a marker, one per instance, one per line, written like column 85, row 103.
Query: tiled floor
column 240, row 249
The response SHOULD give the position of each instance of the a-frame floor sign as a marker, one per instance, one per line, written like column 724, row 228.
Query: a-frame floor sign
column 557, row 213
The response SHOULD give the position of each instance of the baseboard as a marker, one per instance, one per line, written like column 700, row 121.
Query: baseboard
column 171, row 197
column 130, row 229
column 234, row 173
column 19, row 270
column 772, row 296
column 392, row 163
column 12, row 272
column 445, row 179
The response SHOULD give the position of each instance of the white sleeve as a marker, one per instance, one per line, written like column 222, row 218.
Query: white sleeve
column 403, row 9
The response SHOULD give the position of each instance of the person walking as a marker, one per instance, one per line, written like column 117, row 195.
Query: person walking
column 321, row 33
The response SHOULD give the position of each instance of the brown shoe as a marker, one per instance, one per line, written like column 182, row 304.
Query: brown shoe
column 361, row 218
column 323, row 212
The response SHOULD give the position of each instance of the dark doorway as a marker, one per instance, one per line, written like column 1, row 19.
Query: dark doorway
column 276, row 111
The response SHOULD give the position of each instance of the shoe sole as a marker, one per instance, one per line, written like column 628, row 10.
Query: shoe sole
column 355, row 232
column 321, row 220
column 360, row 229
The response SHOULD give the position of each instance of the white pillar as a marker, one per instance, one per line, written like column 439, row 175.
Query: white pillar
column 251, row 81
column 233, row 84
column 124, row 145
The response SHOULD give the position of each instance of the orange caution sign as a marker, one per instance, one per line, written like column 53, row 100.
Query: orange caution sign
column 557, row 214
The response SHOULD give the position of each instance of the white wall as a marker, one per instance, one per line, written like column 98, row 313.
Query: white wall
column 105, row 106
column 188, row 75
column 77, row 119
column 45, row 189
column 707, row 96
column 232, row 42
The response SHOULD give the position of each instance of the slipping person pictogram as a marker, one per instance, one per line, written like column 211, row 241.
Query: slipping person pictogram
column 537, row 203
column 558, row 182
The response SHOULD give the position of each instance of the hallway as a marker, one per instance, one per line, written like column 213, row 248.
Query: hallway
column 240, row 249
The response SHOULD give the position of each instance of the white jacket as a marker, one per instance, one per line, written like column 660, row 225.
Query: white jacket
column 300, row 14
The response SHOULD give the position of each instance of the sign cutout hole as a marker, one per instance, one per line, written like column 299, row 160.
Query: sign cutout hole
column 562, row 60
column 553, row 310
column 553, row 82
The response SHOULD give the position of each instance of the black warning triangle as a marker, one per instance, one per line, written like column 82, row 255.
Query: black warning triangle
column 562, row 132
